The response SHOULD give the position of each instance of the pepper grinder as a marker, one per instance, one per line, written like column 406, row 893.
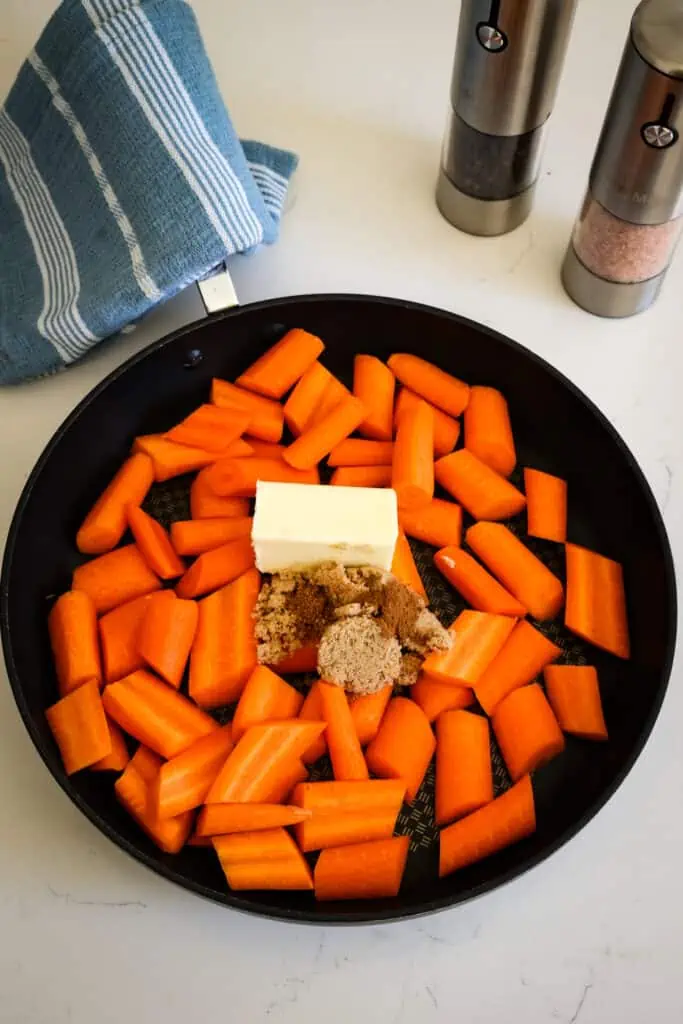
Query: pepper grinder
column 508, row 60
column 632, row 215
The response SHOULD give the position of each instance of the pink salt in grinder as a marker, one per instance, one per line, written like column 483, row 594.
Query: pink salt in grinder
column 632, row 216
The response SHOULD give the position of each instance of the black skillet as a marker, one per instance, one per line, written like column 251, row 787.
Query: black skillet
column 611, row 509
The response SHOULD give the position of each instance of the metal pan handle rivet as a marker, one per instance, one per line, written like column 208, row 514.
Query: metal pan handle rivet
column 193, row 358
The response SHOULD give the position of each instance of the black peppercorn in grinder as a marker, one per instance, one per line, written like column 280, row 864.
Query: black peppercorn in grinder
column 508, row 60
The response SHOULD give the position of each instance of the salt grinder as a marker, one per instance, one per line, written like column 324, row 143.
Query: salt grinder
column 631, row 218
column 508, row 59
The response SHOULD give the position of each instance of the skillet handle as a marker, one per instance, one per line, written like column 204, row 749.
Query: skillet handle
column 217, row 291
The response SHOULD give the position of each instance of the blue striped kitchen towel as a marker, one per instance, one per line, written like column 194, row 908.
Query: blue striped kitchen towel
column 121, row 179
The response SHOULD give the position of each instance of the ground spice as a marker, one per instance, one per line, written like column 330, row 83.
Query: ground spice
column 370, row 628
column 620, row 251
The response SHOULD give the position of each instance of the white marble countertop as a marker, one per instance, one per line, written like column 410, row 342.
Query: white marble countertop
column 595, row 934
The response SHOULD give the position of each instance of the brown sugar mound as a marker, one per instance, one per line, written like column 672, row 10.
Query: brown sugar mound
column 370, row 628
column 359, row 655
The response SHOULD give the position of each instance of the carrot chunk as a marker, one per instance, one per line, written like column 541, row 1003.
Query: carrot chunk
column 224, row 650
column 574, row 696
column 446, row 429
column 305, row 399
column 524, row 655
column 478, row 637
column 506, row 820
column 475, row 584
column 195, row 536
column 217, row 567
column 488, row 433
column 438, row 522
column 526, row 731
column 478, row 488
column 267, row 859
column 342, row 740
column 106, row 522
column 119, row 638
column 225, row 819
column 428, row 381
column 596, row 602
column 206, row 504
column 517, row 568
column 355, row 451
column 266, row 417
column 118, row 757
column 312, row 711
column 265, row 698
column 237, row 478
column 367, row 712
column 318, row 440
column 546, row 505
column 362, row 871
column 154, row 544
column 361, row 476
column 184, row 781
column 166, row 634
column 374, row 384
column 79, row 726
column 433, row 696
column 464, row 776
column 210, row 428
column 412, row 475
column 112, row 579
column 280, row 367
column 303, row 659
column 133, row 790
column 72, row 624
column 403, row 747
column 403, row 566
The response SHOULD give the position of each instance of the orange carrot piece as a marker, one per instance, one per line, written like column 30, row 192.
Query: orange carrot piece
column 217, row 567
column 527, row 731
column 170, row 459
column 318, row 441
column 361, row 476
column 224, row 651
column 428, row 381
column 280, row 367
column 334, row 393
column 166, row 634
column 112, row 579
column 342, row 740
column 266, row 417
column 517, row 568
column 596, row 602
column 72, row 624
column 574, row 695
column 210, row 428
column 264, row 449
column 106, row 522
column 546, row 505
column 154, row 544
column 476, row 585
column 438, row 522
column 225, row 819
column 118, row 757
column 155, row 714
column 118, row 638
column 478, row 638
column 262, row 758
column 464, row 776
column 506, row 820
column 403, row 566
column 265, row 698
column 133, row 790
column 434, row 696
column 358, row 452
column 488, row 433
column 304, row 401
column 362, row 871
column 403, row 747
column 237, row 478
column 304, row 659
column 312, row 711
column 367, row 713
column 483, row 492
column 374, row 385
column 206, row 504
column 80, row 728
column 446, row 429
column 184, row 781
column 195, row 536
column 267, row 859
column 281, row 874
column 412, row 467
column 325, row 829
column 520, row 660
column 346, row 797
column 290, row 776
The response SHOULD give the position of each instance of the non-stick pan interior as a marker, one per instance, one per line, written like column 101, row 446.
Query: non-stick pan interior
column 556, row 429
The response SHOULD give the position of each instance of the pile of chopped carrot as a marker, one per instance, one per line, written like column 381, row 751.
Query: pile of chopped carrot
column 157, row 632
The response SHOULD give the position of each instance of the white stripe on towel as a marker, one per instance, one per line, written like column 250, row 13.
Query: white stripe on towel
column 142, row 276
column 59, row 322
column 153, row 81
